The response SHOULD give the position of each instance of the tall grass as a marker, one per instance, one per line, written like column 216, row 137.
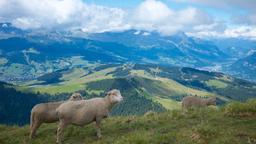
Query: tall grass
column 195, row 126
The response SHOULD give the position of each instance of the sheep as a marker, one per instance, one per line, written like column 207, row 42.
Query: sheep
column 86, row 111
column 46, row 113
column 191, row 101
column 75, row 96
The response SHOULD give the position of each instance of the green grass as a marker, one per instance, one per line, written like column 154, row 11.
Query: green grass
column 241, row 109
column 53, row 89
column 169, row 87
column 74, row 74
column 169, row 104
column 197, row 126
column 216, row 83
column 74, row 81
column 153, row 86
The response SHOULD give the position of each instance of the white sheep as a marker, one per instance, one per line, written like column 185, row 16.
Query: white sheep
column 191, row 101
column 46, row 113
column 86, row 111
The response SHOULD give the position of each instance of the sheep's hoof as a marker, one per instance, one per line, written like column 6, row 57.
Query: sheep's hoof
column 32, row 136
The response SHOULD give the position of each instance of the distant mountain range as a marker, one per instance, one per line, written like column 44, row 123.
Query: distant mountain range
column 25, row 55
column 245, row 67
column 178, row 49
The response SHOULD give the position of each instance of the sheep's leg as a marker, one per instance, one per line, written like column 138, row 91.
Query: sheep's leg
column 60, row 131
column 182, row 108
column 98, row 121
column 34, row 127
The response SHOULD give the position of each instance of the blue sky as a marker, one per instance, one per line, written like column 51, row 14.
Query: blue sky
column 200, row 18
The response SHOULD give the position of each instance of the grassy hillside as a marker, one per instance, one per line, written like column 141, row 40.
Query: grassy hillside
column 232, row 124
column 144, row 88
column 162, row 84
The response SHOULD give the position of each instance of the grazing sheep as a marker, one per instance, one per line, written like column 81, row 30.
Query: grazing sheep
column 86, row 111
column 190, row 101
column 46, row 113
column 76, row 96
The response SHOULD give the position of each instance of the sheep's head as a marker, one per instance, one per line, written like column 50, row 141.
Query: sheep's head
column 76, row 96
column 211, row 101
column 114, row 96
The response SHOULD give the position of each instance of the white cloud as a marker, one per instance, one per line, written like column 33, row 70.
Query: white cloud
column 150, row 15
column 152, row 11
column 26, row 23
column 216, row 26
column 154, row 15
column 243, row 31
column 247, row 32
column 61, row 14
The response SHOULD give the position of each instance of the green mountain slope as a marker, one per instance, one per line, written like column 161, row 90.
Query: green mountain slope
column 160, row 84
column 232, row 124
column 144, row 88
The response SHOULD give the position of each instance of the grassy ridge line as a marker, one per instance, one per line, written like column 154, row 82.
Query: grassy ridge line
column 74, row 84
column 156, row 88
column 79, row 82
column 197, row 126
column 162, row 89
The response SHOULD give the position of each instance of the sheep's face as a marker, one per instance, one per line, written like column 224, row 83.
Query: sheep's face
column 115, row 96
column 76, row 96
column 212, row 101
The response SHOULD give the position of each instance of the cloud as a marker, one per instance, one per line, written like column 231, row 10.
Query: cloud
column 243, row 31
column 152, row 11
column 156, row 16
column 61, row 14
column 149, row 15
column 26, row 23
column 216, row 26
column 246, row 32
column 100, row 19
